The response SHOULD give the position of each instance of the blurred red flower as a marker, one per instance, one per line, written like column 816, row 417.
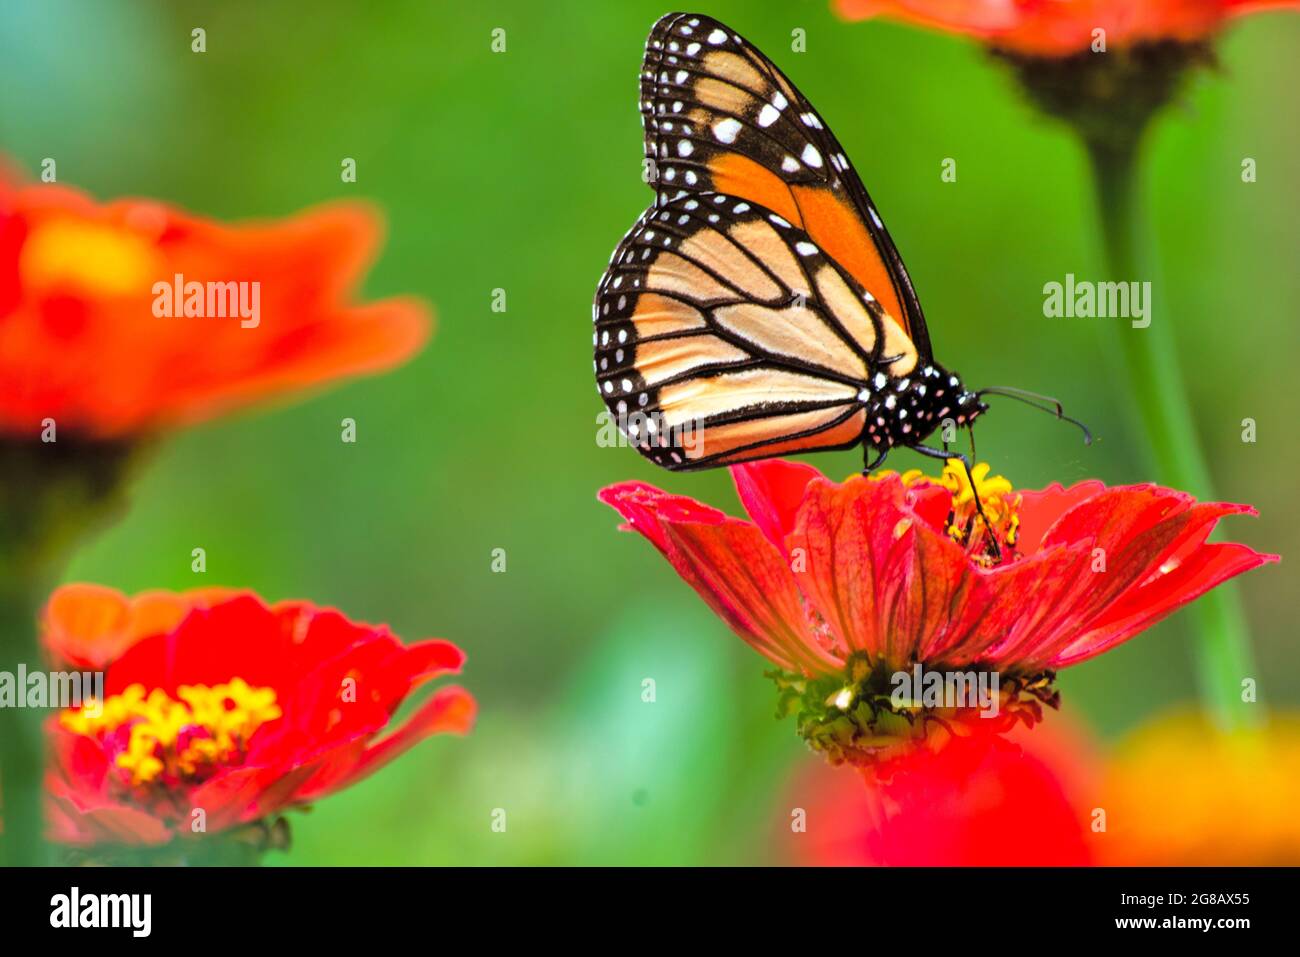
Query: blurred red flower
column 219, row 703
column 844, row 585
column 82, row 344
column 1176, row 791
column 990, row 800
column 1061, row 27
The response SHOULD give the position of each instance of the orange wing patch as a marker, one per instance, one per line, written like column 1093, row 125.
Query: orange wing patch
column 837, row 228
column 721, row 117
column 833, row 223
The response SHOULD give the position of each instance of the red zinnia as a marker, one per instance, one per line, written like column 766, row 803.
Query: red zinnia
column 235, row 709
column 848, row 586
column 1061, row 27
column 80, row 342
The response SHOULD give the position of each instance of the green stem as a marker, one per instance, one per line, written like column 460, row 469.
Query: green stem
column 22, row 741
column 51, row 496
column 1160, row 399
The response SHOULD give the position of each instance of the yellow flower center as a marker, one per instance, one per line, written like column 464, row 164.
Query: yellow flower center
column 90, row 258
column 995, row 494
column 162, row 739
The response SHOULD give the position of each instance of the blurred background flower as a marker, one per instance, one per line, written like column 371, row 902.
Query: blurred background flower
column 226, row 716
column 100, row 330
column 1176, row 791
column 1181, row 791
column 1061, row 27
column 123, row 320
column 988, row 800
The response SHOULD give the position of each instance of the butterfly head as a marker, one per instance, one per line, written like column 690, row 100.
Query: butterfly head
column 905, row 410
column 969, row 404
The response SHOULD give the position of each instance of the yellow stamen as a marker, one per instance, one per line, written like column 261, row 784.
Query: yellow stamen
column 88, row 257
column 996, row 495
column 184, row 739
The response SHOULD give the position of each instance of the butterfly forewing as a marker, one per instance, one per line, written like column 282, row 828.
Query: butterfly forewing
column 719, row 116
column 725, row 333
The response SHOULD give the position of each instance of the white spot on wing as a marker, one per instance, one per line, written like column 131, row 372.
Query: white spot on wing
column 726, row 130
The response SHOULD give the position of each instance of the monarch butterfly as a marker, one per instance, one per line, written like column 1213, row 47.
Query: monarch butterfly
column 759, row 306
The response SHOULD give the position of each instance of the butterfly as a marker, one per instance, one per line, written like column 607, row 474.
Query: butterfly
column 759, row 307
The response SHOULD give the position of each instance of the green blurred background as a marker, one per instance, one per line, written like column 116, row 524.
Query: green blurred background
column 520, row 171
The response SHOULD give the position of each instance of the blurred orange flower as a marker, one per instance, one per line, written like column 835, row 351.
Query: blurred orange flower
column 1180, row 792
column 132, row 316
column 1061, row 27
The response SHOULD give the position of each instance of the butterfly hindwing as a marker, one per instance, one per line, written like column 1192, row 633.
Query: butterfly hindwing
column 720, row 116
column 725, row 333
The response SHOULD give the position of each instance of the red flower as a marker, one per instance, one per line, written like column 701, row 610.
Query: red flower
column 1023, row 799
column 1061, row 27
column 238, row 710
column 846, row 587
column 93, row 336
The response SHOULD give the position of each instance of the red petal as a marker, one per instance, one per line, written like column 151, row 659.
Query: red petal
column 1029, row 597
column 883, row 579
column 733, row 567
column 450, row 711
column 747, row 582
column 429, row 659
column 245, row 794
column 1140, row 530
column 772, row 491
column 111, row 823
column 1039, row 510
column 1147, row 604
column 239, row 637
column 932, row 503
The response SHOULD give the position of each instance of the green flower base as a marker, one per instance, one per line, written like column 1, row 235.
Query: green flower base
column 856, row 718
column 241, row 847
column 1108, row 97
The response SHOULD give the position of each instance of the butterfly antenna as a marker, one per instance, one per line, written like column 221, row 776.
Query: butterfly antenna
column 1044, row 403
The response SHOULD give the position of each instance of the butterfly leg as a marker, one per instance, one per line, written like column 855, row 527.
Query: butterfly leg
column 979, row 506
column 869, row 467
